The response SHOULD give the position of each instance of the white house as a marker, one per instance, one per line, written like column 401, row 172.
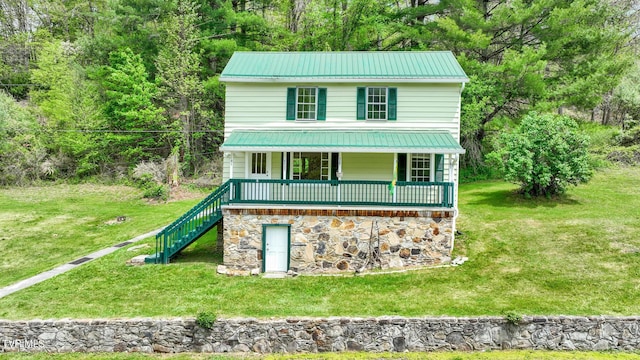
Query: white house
column 335, row 161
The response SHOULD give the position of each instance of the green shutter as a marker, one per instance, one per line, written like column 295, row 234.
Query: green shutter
column 402, row 167
column 291, row 103
column 322, row 104
column 392, row 104
column 362, row 104
column 288, row 170
column 439, row 167
column 334, row 166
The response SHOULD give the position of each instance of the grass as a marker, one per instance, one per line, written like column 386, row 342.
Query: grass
column 499, row 355
column 43, row 227
column 576, row 255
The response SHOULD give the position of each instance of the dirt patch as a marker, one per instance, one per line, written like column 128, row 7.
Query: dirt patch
column 625, row 248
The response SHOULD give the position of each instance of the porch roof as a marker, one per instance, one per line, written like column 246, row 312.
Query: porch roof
column 365, row 141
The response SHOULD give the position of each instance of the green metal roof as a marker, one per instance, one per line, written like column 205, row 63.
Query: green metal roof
column 400, row 66
column 368, row 141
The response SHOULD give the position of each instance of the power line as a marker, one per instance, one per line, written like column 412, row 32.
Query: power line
column 134, row 131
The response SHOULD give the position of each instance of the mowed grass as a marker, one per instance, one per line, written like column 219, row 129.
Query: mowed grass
column 489, row 355
column 576, row 255
column 42, row 227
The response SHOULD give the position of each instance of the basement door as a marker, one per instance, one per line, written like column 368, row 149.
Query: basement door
column 276, row 240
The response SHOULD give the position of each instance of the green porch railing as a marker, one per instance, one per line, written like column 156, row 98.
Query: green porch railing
column 190, row 226
column 206, row 214
column 342, row 192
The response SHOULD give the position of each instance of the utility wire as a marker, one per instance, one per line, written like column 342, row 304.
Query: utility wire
column 134, row 131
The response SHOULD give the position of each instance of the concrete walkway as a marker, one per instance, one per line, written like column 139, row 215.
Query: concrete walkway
column 23, row 284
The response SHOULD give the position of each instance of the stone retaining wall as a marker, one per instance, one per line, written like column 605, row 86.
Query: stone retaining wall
column 296, row 335
column 325, row 241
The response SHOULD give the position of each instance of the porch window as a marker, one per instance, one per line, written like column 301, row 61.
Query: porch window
column 420, row 167
column 376, row 103
column 306, row 103
column 310, row 166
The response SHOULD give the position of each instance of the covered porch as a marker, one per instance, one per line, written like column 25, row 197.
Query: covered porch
column 382, row 168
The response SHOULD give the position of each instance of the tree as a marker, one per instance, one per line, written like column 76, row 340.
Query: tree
column 130, row 109
column 544, row 155
column 67, row 103
column 180, row 88
column 22, row 154
column 527, row 55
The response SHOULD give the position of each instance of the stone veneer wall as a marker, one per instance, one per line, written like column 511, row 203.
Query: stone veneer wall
column 341, row 240
column 298, row 335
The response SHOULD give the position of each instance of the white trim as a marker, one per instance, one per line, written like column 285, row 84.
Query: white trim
column 316, row 96
column 323, row 80
column 376, row 150
column 410, row 165
column 247, row 164
column 367, row 103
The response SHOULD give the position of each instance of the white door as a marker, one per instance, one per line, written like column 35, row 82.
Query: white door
column 259, row 169
column 276, row 254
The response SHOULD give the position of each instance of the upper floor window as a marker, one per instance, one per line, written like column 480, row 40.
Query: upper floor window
column 306, row 103
column 377, row 103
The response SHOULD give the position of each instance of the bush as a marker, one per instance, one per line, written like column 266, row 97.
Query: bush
column 205, row 320
column 151, row 189
column 544, row 155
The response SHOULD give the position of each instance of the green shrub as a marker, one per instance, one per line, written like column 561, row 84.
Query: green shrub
column 205, row 320
column 544, row 155
column 513, row 318
column 151, row 189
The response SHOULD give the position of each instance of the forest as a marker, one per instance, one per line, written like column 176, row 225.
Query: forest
column 102, row 89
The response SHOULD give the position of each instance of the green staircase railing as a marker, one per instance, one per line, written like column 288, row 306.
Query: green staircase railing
column 190, row 226
column 208, row 213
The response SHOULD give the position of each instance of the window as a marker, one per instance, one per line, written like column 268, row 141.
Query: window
column 420, row 167
column 376, row 103
column 306, row 103
column 258, row 163
column 310, row 166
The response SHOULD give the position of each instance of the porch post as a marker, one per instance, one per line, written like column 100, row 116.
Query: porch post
column 394, row 175
column 230, row 174
column 285, row 155
column 451, row 160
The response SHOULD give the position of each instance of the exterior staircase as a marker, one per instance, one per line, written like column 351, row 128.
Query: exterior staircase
column 190, row 226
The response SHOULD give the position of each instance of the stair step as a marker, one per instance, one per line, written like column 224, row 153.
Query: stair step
column 153, row 259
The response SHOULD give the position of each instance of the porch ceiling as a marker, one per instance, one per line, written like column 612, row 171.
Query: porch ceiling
column 366, row 141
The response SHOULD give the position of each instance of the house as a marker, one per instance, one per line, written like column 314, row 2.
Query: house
column 334, row 161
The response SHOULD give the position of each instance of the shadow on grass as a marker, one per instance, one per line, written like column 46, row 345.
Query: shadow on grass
column 513, row 199
column 202, row 251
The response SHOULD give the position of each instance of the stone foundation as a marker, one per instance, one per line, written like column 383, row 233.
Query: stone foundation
column 326, row 241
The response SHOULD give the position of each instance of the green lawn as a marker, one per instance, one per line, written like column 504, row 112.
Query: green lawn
column 579, row 255
column 42, row 227
column 489, row 355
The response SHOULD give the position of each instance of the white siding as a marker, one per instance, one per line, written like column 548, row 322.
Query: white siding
column 420, row 106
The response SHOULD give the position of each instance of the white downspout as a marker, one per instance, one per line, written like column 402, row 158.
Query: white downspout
column 453, row 163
